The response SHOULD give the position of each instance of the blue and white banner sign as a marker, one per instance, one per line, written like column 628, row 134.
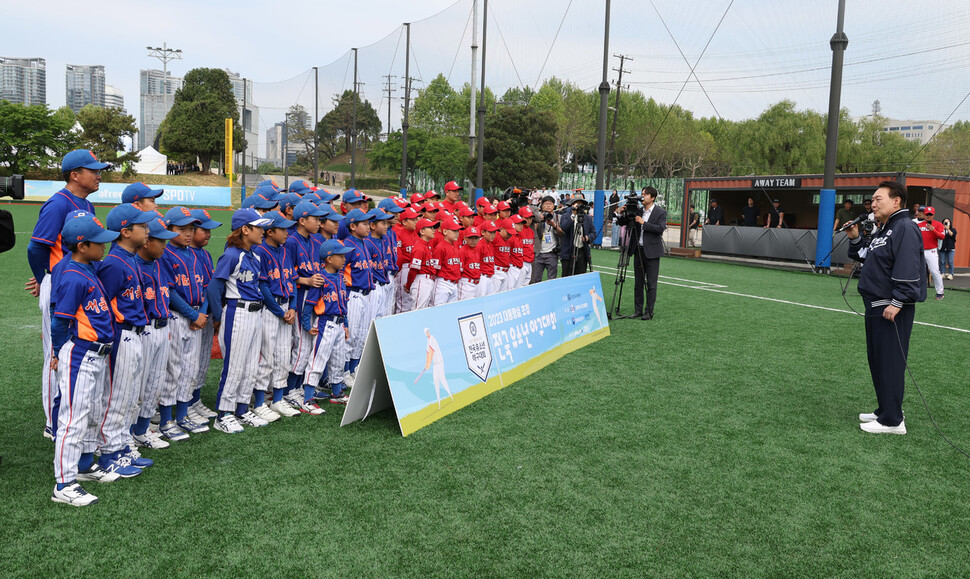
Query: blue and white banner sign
column 109, row 193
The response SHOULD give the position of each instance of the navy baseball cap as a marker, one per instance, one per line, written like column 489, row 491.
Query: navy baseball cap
column 268, row 192
column 248, row 216
column 300, row 187
column 126, row 215
column 289, row 200
column 329, row 213
column 327, row 196
column 307, row 209
column 82, row 158
column 157, row 229
column 390, row 206
column 260, row 200
column 205, row 220
column 179, row 216
column 333, row 247
column 137, row 191
column 86, row 227
column 268, row 183
column 357, row 216
column 278, row 220
column 379, row 214
column 354, row 196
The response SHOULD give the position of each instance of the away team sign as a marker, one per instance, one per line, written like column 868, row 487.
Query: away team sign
column 776, row 182
column 432, row 362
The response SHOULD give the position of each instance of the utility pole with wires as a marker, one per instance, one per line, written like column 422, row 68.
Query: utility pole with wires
column 353, row 134
column 616, row 113
column 407, row 104
column 390, row 92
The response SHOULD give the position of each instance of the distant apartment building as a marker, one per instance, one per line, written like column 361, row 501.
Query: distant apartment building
column 156, row 95
column 920, row 131
column 274, row 144
column 23, row 80
column 83, row 85
column 114, row 98
column 248, row 116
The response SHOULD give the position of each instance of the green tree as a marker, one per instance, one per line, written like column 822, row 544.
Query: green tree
column 439, row 110
column 520, row 148
column 335, row 129
column 386, row 155
column 34, row 137
column 518, row 95
column 573, row 112
column 196, row 123
column 443, row 158
column 103, row 130
column 267, row 168
column 299, row 130
column 949, row 151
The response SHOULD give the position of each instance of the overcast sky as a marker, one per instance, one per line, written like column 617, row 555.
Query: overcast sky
column 914, row 58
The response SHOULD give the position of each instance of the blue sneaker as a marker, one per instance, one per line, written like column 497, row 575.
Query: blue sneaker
column 136, row 458
column 118, row 464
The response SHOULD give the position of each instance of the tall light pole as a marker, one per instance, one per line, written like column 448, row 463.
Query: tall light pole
column 165, row 54
column 407, row 104
column 604, row 89
column 480, row 137
column 353, row 136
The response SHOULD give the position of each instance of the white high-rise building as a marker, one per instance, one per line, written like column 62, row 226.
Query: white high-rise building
column 274, row 144
column 156, row 97
column 920, row 131
column 23, row 80
column 248, row 116
column 84, row 85
column 114, row 98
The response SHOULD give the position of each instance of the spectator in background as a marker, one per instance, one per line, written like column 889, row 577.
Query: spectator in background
column 776, row 215
column 614, row 202
column 693, row 220
column 716, row 215
column 948, row 249
column 932, row 232
column 749, row 214
column 846, row 214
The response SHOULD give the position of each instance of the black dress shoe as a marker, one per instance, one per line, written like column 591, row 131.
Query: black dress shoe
column 647, row 317
column 632, row 316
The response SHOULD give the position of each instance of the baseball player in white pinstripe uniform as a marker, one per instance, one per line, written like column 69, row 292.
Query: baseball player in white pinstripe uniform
column 198, row 412
column 359, row 277
column 325, row 317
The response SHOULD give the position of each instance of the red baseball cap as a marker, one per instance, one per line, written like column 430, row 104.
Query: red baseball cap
column 450, row 224
column 928, row 210
column 473, row 232
column 504, row 206
column 489, row 226
column 525, row 212
column 430, row 194
column 409, row 214
column 417, row 198
column 466, row 212
column 516, row 218
column 490, row 209
column 429, row 206
column 400, row 201
column 422, row 223
column 452, row 186
column 482, row 202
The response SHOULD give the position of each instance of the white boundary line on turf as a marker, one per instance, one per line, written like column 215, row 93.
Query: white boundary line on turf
column 776, row 300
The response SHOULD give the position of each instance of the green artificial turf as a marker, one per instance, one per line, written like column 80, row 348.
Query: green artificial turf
column 718, row 439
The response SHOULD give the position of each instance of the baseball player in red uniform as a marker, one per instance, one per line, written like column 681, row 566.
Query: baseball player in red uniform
column 932, row 232
column 471, row 264
column 447, row 264
column 486, row 253
column 503, row 255
column 516, row 254
column 528, row 237
column 407, row 238
column 420, row 280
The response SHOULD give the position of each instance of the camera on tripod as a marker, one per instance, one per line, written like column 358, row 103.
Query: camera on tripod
column 12, row 187
column 631, row 209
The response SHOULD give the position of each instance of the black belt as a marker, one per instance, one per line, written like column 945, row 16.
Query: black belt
column 158, row 323
column 249, row 306
column 333, row 318
column 281, row 301
column 357, row 290
column 379, row 284
column 133, row 328
column 96, row 347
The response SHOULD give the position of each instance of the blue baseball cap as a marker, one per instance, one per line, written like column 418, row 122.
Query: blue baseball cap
column 82, row 158
column 329, row 213
column 179, row 216
column 289, row 200
column 390, row 206
column 354, row 196
column 248, row 216
column 126, row 215
column 268, row 183
column 333, row 247
column 278, row 220
column 379, row 215
column 205, row 220
column 268, row 192
column 258, row 200
column 137, row 191
column 357, row 215
column 300, row 187
column 86, row 227
column 157, row 229
column 71, row 215
column 327, row 196
column 307, row 209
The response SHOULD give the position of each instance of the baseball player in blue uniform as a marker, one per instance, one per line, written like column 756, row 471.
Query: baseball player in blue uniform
column 82, row 330
column 324, row 316
column 236, row 283
column 352, row 199
column 377, row 247
column 188, row 304
column 276, row 287
column 391, row 267
column 359, row 277
column 199, row 412
column 82, row 173
column 303, row 249
column 121, row 279
column 141, row 196
column 156, row 337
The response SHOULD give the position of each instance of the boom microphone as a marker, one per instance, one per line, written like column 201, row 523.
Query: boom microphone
column 855, row 221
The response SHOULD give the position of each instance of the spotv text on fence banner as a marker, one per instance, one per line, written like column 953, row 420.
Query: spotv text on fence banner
column 428, row 363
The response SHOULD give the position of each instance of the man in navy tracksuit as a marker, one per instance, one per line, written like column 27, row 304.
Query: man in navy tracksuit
column 893, row 279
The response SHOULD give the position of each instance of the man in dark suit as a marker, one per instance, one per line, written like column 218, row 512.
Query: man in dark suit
column 648, row 229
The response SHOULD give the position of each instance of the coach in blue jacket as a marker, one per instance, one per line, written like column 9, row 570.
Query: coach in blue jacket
column 893, row 280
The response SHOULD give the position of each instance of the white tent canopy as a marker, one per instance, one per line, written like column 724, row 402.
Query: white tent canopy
column 151, row 162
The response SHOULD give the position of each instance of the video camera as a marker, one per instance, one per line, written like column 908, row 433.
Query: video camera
column 12, row 187
column 631, row 209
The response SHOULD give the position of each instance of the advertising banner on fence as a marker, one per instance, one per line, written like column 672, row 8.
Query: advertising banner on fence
column 432, row 362
column 111, row 193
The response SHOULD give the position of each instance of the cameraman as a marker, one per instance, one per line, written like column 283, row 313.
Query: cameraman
column 577, row 232
column 548, row 234
column 646, row 225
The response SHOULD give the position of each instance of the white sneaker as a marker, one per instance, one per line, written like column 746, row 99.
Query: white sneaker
column 202, row 410
column 311, row 408
column 194, row 416
column 349, row 379
column 876, row 428
column 266, row 413
column 97, row 474
column 867, row 417
column 150, row 441
column 74, row 495
column 227, row 424
column 284, row 409
column 250, row 419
